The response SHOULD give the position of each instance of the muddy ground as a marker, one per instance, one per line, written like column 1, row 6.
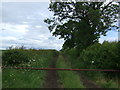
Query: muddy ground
column 52, row 76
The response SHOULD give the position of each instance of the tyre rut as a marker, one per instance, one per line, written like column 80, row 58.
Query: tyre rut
column 51, row 80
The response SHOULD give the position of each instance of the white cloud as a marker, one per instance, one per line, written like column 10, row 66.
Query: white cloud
column 15, row 28
column 11, row 30
column 25, row 0
column 38, row 26
column 8, row 38
column 23, row 24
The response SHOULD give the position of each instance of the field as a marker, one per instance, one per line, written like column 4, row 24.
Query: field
column 68, row 44
column 12, row 78
column 25, row 78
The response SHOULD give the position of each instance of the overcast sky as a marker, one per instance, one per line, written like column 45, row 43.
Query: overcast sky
column 22, row 24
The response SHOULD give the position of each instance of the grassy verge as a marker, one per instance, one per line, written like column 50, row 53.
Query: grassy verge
column 98, row 77
column 0, row 69
column 0, row 78
column 105, row 82
column 12, row 78
column 69, row 79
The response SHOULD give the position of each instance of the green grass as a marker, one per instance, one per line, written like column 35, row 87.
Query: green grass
column 105, row 82
column 0, row 58
column 0, row 69
column 0, row 78
column 12, row 78
column 22, row 79
column 105, row 56
column 69, row 79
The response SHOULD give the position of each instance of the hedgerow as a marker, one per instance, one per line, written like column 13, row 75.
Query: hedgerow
column 97, row 56
column 101, row 56
column 14, row 57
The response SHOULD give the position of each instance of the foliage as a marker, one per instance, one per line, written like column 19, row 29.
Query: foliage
column 71, row 52
column 97, row 56
column 69, row 79
column 80, row 24
column 107, row 83
column 17, row 47
column 14, row 58
column 13, row 78
column 101, row 56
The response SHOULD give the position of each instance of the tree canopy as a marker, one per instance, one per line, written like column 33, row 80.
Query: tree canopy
column 80, row 24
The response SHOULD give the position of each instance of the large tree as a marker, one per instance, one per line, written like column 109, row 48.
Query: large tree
column 81, row 23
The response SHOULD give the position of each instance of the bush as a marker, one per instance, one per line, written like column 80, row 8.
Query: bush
column 89, row 57
column 104, row 56
column 100, row 56
column 14, row 58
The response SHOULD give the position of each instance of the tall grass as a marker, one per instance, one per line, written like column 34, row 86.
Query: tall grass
column 105, row 82
column 0, row 69
column 99, row 56
column 0, row 78
column 12, row 78
column 69, row 79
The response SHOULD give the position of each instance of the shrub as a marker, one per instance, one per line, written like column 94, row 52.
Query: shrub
column 104, row 56
column 101, row 56
column 14, row 57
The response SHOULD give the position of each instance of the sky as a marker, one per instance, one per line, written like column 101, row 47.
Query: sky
column 23, row 24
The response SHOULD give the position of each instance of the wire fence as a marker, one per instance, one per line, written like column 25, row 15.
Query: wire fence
column 64, row 69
